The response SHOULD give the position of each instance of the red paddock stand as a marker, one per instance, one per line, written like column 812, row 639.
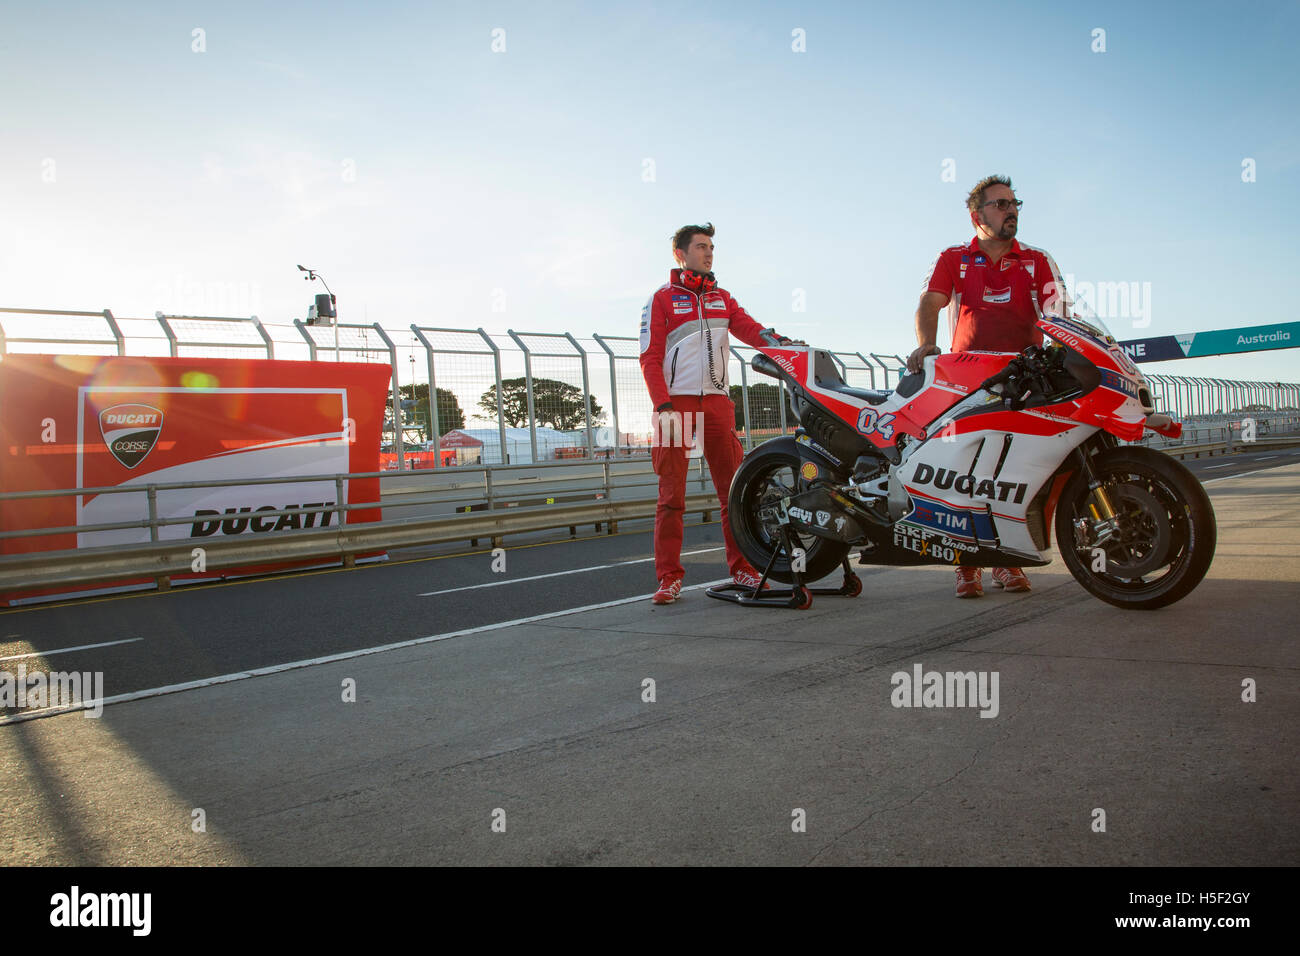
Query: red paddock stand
column 799, row 597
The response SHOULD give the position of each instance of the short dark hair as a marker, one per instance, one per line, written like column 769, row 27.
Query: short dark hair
column 683, row 236
column 976, row 198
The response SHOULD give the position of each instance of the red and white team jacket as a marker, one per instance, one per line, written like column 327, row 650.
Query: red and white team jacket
column 684, row 340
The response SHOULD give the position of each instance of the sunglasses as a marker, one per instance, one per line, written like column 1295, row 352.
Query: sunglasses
column 1005, row 204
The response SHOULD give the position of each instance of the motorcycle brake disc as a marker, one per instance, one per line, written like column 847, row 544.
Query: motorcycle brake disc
column 1144, row 533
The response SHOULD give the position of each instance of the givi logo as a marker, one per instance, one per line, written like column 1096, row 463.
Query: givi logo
column 130, row 431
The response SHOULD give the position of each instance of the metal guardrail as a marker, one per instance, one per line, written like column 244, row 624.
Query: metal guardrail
column 469, row 488
column 1228, row 448
column 1222, row 429
column 161, row 560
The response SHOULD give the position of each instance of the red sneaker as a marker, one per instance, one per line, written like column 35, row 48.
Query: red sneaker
column 749, row 578
column 670, row 590
column 970, row 582
column 1013, row 579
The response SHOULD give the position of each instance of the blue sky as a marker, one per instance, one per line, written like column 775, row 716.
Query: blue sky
column 429, row 178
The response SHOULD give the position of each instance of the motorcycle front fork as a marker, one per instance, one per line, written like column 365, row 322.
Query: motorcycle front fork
column 1104, row 523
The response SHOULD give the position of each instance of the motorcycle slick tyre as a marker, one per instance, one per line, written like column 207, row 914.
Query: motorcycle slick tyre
column 1166, row 525
column 768, row 474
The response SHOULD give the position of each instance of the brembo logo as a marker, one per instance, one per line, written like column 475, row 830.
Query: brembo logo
column 130, row 431
column 969, row 485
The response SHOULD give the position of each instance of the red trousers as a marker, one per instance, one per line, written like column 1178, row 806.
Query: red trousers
column 723, row 453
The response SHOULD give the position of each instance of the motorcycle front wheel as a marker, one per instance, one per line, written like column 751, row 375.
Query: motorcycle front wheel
column 1164, row 535
column 765, row 477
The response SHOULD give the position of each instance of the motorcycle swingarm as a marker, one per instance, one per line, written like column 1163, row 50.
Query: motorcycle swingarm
column 820, row 512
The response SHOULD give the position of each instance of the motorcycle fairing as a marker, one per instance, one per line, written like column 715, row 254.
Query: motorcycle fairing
column 1123, row 408
column 827, row 514
column 977, row 474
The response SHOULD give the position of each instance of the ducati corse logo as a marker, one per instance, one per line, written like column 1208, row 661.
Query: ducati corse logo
column 130, row 431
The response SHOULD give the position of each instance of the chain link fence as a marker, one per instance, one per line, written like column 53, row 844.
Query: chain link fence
column 464, row 397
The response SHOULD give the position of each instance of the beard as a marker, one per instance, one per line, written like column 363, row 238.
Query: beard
column 1008, row 230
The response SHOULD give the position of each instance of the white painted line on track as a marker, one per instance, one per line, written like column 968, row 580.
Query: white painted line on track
column 1227, row 464
column 1230, row 477
column 1267, row 457
column 556, row 574
column 69, row 650
column 331, row 658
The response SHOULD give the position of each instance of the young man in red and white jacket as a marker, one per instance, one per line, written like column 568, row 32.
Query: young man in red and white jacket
column 685, row 330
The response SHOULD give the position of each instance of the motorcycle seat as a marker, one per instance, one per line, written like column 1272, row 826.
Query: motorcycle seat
column 869, row 395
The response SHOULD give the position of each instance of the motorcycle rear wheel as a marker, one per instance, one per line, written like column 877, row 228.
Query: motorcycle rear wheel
column 1167, row 530
column 763, row 478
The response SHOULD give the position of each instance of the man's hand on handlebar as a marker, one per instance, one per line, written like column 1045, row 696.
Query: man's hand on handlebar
column 914, row 360
column 772, row 337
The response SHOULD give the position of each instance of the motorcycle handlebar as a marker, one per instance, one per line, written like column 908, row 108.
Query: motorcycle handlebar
column 1019, row 365
column 1001, row 377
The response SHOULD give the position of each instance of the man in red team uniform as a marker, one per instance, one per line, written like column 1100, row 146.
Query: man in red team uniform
column 995, row 289
column 684, row 352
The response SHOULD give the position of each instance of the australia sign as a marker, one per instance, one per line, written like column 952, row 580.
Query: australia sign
column 1256, row 338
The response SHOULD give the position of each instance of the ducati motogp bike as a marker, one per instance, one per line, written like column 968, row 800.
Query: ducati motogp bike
column 974, row 460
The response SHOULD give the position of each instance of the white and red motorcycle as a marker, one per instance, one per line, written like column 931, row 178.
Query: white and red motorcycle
column 973, row 461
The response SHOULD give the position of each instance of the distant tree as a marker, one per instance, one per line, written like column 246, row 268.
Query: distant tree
column 450, row 414
column 557, row 404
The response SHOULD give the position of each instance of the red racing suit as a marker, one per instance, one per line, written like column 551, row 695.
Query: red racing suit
column 995, row 307
column 684, row 353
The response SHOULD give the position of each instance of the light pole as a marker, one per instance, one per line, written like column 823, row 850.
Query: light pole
column 413, row 405
column 312, row 274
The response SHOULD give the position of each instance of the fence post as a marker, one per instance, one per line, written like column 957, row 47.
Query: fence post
column 744, row 397
column 586, row 392
column 613, row 390
column 172, row 349
column 871, row 369
column 528, row 384
column 397, row 396
column 117, row 333
column 153, row 512
column 266, row 339
column 311, row 343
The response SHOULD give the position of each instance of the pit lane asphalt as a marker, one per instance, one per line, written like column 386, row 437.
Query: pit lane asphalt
column 759, row 718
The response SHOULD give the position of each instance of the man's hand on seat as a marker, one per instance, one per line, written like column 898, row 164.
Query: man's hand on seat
column 914, row 360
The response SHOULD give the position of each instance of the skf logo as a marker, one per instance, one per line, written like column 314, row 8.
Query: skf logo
column 130, row 431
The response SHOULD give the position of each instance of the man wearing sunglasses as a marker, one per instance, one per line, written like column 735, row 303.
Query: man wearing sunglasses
column 995, row 289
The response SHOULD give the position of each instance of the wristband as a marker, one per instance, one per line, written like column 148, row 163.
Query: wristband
column 665, row 407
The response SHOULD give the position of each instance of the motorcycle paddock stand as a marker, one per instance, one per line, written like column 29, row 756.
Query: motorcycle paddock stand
column 799, row 596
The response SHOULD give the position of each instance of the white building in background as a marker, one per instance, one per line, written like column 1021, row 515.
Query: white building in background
column 482, row 446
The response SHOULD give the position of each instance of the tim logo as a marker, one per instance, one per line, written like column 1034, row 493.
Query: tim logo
column 130, row 431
